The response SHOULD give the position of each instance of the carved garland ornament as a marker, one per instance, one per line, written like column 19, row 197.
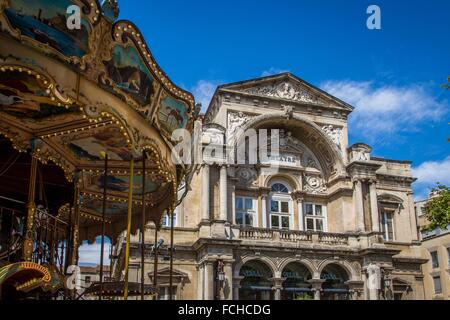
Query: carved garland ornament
column 284, row 90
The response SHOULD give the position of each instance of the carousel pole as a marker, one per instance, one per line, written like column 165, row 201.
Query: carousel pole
column 171, row 255
column 155, row 262
column 74, row 232
column 68, row 254
column 102, row 247
column 144, row 158
column 76, row 226
column 27, row 249
column 127, row 246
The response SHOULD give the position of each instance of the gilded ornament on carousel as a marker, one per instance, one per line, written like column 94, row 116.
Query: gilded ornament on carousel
column 27, row 94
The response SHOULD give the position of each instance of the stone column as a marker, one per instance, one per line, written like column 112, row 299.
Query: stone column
column 355, row 288
column 301, row 219
column 359, row 208
column 200, row 282
column 374, row 207
column 236, row 287
column 264, row 210
column 233, row 204
column 316, row 287
column 223, row 194
column 205, row 193
column 209, row 280
column 277, row 286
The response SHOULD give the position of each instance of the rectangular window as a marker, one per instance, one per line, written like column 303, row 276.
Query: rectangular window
column 314, row 216
column 387, row 225
column 280, row 211
column 245, row 211
column 167, row 220
column 448, row 256
column 437, row 285
column 434, row 259
column 164, row 293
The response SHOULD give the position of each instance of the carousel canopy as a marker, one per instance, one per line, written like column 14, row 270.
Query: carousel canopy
column 70, row 95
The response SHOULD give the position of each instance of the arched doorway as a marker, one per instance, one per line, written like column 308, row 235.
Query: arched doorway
column 334, row 286
column 296, row 285
column 256, row 284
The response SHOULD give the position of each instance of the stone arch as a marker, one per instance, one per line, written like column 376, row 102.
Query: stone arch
column 309, row 133
column 305, row 262
column 263, row 259
column 352, row 274
column 292, row 183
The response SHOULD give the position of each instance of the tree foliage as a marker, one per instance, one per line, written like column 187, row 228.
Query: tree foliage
column 437, row 209
column 447, row 85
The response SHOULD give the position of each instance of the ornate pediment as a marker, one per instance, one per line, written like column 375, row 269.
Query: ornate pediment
column 287, row 87
column 284, row 89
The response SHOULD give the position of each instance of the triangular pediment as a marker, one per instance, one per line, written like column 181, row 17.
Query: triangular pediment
column 287, row 87
column 166, row 272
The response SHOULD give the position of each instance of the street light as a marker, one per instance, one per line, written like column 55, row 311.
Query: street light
column 221, row 276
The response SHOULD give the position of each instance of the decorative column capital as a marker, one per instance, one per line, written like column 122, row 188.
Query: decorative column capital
column 264, row 191
column 277, row 283
column 237, row 281
column 298, row 195
column 316, row 284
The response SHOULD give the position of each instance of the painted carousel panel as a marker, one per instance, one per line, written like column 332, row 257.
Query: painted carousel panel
column 110, row 140
column 113, row 208
column 46, row 21
column 120, row 184
column 25, row 97
column 173, row 114
column 130, row 74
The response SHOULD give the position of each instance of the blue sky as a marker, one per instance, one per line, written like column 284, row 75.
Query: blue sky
column 392, row 76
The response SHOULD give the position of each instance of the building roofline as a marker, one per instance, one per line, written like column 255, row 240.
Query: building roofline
column 344, row 104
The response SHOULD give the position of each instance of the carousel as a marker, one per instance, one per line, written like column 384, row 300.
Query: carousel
column 86, row 119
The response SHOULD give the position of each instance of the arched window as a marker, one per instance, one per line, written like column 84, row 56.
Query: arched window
column 281, row 207
column 335, row 286
column 296, row 285
column 279, row 188
column 256, row 283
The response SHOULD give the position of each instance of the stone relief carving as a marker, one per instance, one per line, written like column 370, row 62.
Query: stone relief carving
column 213, row 136
column 288, row 111
column 310, row 162
column 284, row 90
column 236, row 120
column 333, row 133
column 286, row 138
column 246, row 176
column 314, row 184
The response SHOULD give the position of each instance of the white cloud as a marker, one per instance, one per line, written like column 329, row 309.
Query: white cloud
column 272, row 71
column 386, row 109
column 90, row 254
column 203, row 92
column 428, row 174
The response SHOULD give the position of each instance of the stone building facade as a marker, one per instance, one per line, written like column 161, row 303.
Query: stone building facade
column 332, row 221
column 435, row 247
